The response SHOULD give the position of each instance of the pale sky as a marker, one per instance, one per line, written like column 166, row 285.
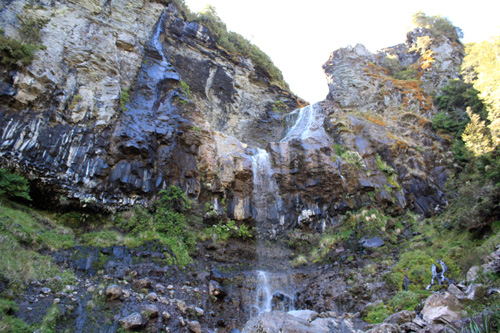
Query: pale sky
column 300, row 35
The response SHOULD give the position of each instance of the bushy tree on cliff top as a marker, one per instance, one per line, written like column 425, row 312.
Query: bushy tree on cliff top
column 438, row 25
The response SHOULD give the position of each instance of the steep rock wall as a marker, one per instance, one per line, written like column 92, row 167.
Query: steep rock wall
column 101, row 117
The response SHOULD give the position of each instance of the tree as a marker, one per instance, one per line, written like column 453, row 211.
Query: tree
column 12, row 185
column 437, row 25
column 482, row 66
column 477, row 136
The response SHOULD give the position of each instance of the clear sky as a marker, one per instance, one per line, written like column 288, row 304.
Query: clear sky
column 300, row 35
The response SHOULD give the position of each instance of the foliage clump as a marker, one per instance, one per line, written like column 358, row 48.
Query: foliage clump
column 124, row 99
column 438, row 25
column 15, row 53
column 233, row 43
column 22, row 53
column 13, row 185
column 166, row 223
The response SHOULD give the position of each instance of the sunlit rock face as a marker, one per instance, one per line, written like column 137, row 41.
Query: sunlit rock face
column 129, row 98
column 101, row 117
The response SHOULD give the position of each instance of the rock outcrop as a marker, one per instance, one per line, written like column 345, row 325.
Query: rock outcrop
column 124, row 100
column 117, row 108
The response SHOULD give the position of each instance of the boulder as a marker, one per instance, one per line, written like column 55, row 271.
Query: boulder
column 442, row 308
column 492, row 261
column 456, row 291
column 278, row 321
column 132, row 321
column 215, row 289
column 337, row 325
column 152, row 297
column 149, row 311
column 166, row 316
column 182, row 306
column 384, row 328
column 473, row 273
column 400, row 317
column 141, row 284
column 113, row 292
column 371, row 243
column 194, row 326
column 435, row 329
column 305, row 315
column 475, row 292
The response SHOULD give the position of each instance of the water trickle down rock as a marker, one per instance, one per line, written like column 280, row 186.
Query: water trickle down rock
column 300, row 158
column 268, row 205
column 274, row 291
column 148, row 127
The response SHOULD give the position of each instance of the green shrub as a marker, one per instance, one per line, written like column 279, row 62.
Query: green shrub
column 13, row 186
column 223, row 231
column 383, row 166
column 9, row 323
column 186, row 91
column 439, row 26
column 405, row 300
column 376, row 314
column 279, row 106
column 348, row 156
column 233, row 43
column 124, row 99
column 31, row 27
column 406, row 74
column 245, row 232
column 15, row 53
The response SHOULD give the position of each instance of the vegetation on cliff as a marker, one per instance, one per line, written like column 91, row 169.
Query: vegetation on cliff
column 232, row 42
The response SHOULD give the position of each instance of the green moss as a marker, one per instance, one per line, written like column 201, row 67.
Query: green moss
column 102, row 238
column 405, row 300
column 21, row 235
column 55, row 241
column 9, row 323
column 186, row 91
column 279, row 106
column 15, row 53
column 376, row 314
column 74, row 101
column 51, row 319
column 124, row 99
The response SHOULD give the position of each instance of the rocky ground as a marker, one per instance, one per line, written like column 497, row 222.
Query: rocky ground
column 117, row 287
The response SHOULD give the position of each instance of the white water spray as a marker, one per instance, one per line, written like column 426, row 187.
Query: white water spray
column 309, row 124
column 271, row 293
column 267, row 201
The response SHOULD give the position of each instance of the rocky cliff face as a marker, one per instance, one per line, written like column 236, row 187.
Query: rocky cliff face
column 129, row 98
column 101, row 117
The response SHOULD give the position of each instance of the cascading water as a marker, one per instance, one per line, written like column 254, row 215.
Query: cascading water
column 308, row 123
column 274, row 290
column 267, row 202
column 271, row 293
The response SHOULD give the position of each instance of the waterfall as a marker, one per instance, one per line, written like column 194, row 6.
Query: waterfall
column 272, row 294
column 267, row 202
column 271, row 291
column 156, row 37
column 308, row 124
